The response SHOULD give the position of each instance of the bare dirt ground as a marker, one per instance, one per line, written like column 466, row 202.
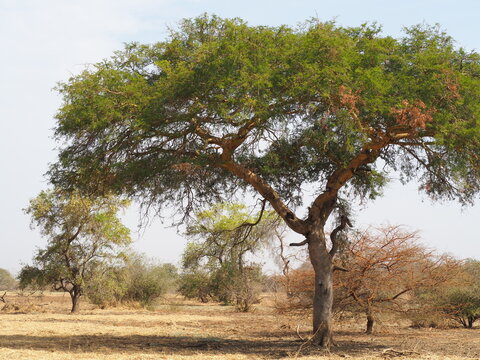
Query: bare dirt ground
column 41, row 328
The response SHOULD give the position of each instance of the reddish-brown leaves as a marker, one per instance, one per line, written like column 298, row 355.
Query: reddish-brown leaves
column 348, row 99
column 415, row 115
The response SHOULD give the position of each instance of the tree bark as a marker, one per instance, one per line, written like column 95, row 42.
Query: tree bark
column 75, row 295
column 370, row 321
column 471, row 320
column 323, row 296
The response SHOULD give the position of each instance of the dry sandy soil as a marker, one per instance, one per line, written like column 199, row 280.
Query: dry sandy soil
column 41, row 328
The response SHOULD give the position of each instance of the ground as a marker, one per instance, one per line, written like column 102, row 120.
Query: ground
column 39, row 327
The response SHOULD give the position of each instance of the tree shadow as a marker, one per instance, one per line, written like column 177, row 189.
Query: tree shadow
column 264, row 347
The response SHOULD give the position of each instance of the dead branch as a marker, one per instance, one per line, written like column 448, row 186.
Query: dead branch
column 304, row 242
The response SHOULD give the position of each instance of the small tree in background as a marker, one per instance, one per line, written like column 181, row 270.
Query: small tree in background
column 379, row 271
column 196, row 284
column 460, row 299
column 109, row 286
column 147, row 280
column 215, row 260
column 7, row 281
column 80, row 232
column 385, row 266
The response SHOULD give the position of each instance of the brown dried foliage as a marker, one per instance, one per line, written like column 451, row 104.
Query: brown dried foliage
column 348, row 100
column 384, row 267
column 415, row 115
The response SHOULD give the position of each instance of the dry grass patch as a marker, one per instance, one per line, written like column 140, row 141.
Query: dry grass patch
column 186, row 330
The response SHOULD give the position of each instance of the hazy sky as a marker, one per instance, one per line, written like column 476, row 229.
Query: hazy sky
column 46, row 41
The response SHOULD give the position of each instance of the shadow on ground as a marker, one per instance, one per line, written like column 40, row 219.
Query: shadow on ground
column 267, row 349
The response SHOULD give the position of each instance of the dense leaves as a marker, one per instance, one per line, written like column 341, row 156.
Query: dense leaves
column 217, row 260
column 295, row 106
column 83, row 235
column 137, row 280
column 220, row 106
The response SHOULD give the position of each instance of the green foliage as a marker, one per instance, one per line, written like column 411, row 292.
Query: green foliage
column 196, row 284
column 109, row 287
column 215, row 260
column 83, row 235
column 139, row 280
column 461, row 301
column 292, row 105
column 7, row 281
column 462, row 305
column 456, row 300
column 148, row 281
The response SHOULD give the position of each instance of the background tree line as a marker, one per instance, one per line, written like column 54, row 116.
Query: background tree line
column 378, row 270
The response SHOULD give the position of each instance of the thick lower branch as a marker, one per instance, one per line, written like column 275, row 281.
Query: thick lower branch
column 269, row 194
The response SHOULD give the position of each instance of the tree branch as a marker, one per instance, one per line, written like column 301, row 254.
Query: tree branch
column 323, row 204
column 268, row 193
column 339, row 268
column 333, row 236
column 304, row 242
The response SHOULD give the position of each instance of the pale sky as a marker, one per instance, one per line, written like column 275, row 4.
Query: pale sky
column 44, row 42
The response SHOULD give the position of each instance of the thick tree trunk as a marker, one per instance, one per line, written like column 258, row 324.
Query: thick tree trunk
column 370, row 321
column 75, row 295
column 323, row 297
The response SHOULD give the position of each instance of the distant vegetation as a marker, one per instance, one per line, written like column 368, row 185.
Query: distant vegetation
column 138, row 280
column 7, row 281
column 216, row 263
column 84, row 235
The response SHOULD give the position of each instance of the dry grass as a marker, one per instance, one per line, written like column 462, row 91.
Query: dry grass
column 41, row 328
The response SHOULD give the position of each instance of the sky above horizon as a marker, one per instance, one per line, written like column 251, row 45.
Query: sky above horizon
column 48, row 41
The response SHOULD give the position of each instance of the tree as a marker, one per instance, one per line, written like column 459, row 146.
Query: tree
column 215, row 260
column 7, row 281
column 462, row 305
column 385, row 266
column 460, row 301
column 81, row 235
column 379, row 270
column 221, row 106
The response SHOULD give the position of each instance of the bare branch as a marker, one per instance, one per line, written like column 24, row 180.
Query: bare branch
column 344, row 221
column 304, row 242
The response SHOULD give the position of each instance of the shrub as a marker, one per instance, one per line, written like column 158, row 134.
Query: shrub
column 226, row 285
column 196, row 285
column 139, row 280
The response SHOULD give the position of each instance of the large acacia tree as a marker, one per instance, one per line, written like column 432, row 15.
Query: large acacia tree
column 221, row 106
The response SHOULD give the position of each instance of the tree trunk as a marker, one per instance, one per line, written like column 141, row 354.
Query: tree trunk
column 370, row 321
column 75, row 295
column 323, row 296
column 471, row 320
